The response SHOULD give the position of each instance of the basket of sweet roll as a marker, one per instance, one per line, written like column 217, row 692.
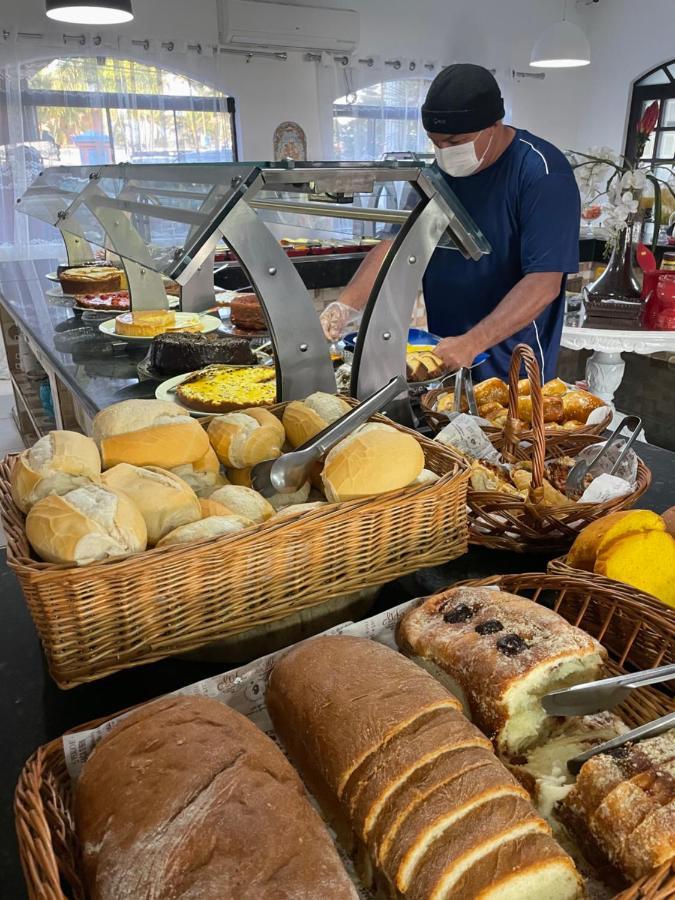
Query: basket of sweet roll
column 567, row 410
column 147, row 540
column 421, row 736
column 632, row 550
column 518, row 498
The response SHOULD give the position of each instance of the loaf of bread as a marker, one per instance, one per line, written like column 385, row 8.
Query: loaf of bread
column 491, row 390
column 164, row 500
column 553, row 409
column 606, row 530
column 203, row 475
column 304, row 419
column 211, row 507
column 394, row 763
column 187, row 798
column 148, row 433
column 579, row 405
column 57, row 463
column 90, row 523
column 246, row 438
column 622, row 807
column 505, row 652
column 645, row 561
column 205, row 529
column 243, row 501
column 372, row 460
column 242, row 477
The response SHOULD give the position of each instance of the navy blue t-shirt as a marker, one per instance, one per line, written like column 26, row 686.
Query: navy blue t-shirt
column 527, row 206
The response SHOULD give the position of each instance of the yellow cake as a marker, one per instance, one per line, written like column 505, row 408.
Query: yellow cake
column 145, row 323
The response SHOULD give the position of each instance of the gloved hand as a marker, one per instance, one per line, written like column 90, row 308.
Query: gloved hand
column 335, row 318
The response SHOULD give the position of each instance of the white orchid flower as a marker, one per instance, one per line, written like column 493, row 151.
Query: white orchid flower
column 635, row 179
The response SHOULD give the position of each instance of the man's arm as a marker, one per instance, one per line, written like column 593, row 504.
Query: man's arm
column 336, row 316
column 523, row 303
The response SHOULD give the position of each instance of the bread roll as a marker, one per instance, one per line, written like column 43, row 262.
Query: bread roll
column 187, row 798
column 243, row 501
column 578, row 405
column 553, row 409
column 57, row 463
column 281, row 501
column 165, row 501
column 213, row 508
column 645, row 560
column 554, row 388
column 524, row 387
column 505, row 652
column 205, row 529
column 299, row 508
column 148, row 433
column 304, row 419
column 493, row 389
column 609, row 528
column 244, row 439
column 87, row 524
column 203, row 475
column 375, row 459
column 426, row 476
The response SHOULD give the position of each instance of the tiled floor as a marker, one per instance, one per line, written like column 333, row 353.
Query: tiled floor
column 10, row 440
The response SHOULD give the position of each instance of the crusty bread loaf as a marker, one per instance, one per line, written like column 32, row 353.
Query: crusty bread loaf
column 622, row 807
column 203, row 475
column 210, row 507
column 187, row 798
column 369, row 731
column 375, row 459
column 148, row 433
column 164, row 500
column 57, row 463
column 87, row 524
column 246, row 438
column 585, row 548
column 205, row 529
column 304, row 419
column 645, row 560
column 243, row 501
column 505, row 652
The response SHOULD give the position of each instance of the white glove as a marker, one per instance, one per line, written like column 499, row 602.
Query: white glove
column 335, row 318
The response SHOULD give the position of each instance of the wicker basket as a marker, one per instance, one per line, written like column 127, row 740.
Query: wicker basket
column 633, row 637
column 506, row 522
column 437, row 421
column 98, row 619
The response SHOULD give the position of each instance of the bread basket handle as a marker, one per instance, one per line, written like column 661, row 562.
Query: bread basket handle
column 524, row 355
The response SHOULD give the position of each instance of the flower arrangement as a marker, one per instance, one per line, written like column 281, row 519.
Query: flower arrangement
column 602, row 173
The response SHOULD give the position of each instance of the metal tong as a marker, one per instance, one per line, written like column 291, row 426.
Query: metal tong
column 575, row 480
column 289, row 472
column 596, row 696
column 463, row 384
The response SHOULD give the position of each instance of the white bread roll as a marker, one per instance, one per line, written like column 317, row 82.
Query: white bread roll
column 278, row 501
column 213, row 508
column 375, row 459
column 205, row 529
column 246, row 438
column 304, row 419
column 244, row 501
column 203, row 475
column 57, row 463
column 85, row 525
column 148, row 433
column 426, row 476
column 299, row 508
column 165, row 501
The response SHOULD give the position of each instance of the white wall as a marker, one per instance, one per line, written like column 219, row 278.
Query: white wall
column 628, row 38
column 496, row 33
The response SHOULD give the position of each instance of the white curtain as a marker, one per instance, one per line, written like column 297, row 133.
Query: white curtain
column 96, row 110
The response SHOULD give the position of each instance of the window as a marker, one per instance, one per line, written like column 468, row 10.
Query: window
column 380, row 119
column 659, row 84
column 92, row 111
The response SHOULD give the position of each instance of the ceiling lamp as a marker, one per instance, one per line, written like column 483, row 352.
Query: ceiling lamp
column 90, row 12
column 562, row 46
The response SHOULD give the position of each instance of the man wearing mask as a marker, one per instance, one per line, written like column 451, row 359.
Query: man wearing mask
column 521, row 192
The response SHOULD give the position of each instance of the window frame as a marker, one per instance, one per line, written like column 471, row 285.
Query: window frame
column 645, row 93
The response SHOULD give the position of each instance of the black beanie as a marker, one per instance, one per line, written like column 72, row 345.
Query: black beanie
column 462, row 98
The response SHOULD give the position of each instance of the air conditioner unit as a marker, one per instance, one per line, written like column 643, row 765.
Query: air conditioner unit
column 253, row 23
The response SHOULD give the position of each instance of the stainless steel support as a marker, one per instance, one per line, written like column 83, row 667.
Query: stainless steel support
column 197, row 294
column 381, row 347
column 303, row 360
column 336, row 210
column 78, row 249
column 146, row 288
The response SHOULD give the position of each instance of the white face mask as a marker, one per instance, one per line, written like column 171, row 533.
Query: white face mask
column 460, row 160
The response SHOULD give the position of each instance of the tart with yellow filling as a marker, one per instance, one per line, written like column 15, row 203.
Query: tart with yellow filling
column 223, row 388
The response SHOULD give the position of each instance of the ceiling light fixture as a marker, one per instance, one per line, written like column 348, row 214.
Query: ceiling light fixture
column 562, row 46
column 90, row 12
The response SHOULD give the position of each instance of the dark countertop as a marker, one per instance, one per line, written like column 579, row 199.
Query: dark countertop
column 33, row 710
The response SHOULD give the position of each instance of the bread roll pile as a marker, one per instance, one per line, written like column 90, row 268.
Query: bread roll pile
column 186, row 483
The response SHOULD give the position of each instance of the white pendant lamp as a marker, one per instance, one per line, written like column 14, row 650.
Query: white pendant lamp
column 562, row 46
column 90, row 12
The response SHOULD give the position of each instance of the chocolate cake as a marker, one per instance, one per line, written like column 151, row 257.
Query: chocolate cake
column 173, row 354
column 247, row 313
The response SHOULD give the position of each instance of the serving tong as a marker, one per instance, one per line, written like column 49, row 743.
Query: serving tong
column 597, row 696
column 463, row 385
column 574, row 485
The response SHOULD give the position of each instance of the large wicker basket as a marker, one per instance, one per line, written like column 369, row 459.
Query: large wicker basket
column 98, row 619
column 507, row 522
column 634, row 637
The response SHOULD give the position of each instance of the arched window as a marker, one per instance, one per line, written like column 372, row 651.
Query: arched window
column 92, row 111
column 380, row 119
column 659, row 84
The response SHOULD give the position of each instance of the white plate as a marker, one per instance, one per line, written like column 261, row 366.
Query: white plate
column 163, row 392
column 209, row 323
column 52, row 276
column 173, row 304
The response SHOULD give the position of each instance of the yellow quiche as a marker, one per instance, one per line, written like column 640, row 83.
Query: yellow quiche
column 220, row 389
